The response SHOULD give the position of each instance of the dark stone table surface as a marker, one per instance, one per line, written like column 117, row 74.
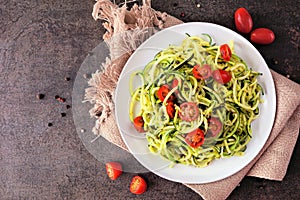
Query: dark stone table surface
column 43, row 43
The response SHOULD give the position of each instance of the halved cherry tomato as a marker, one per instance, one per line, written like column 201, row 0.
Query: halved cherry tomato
column 175, row 83
column 202, row 72
column 171, row 109
column 214, row 126
column 195, row 138
column 243, row 20
column 262, row 36
column 189, row 111
column 225, row 52
column 138, row 185
column 163, row 92
column 138, row 123
column 113, row 170
column 221, row 76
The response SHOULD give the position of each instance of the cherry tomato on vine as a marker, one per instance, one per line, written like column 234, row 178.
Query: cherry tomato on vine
column 225, row 52
column 138, row 185
column 138, row 123
column 262, row 36
column 195, row 138
column 214, row 126
column 221, row 76
column 113, row 170
column 243, row 20
column 189, row 111
column 163, row 92
column 202, row 72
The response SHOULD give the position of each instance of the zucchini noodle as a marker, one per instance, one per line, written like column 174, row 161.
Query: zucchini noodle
column 234, row 103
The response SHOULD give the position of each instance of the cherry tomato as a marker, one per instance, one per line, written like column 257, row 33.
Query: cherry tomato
column 214, row 126
column 221, row 76
column 262, row 36
column 175, row 83
column 202, row 72
column 171, row 109
column 113, row 170
column 189, row 111
column 138, row 123
column 163, row 92
column 225, row 52
column 195, row 138
column 243, row 20
column 138, row 185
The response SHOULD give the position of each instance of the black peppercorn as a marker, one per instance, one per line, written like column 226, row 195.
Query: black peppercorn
column 40, row 96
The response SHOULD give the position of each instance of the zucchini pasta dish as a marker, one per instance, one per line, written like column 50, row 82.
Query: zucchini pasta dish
column 196, row 102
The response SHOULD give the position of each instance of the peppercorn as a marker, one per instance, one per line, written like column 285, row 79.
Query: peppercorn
column 40, row 96
column 58, row 98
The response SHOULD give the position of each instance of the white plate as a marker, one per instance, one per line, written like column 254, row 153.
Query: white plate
column 218, row 169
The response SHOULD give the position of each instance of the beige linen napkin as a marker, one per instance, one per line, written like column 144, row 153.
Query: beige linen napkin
column 272, row 161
